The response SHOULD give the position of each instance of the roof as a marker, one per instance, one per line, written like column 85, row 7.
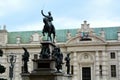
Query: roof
column 110, row 34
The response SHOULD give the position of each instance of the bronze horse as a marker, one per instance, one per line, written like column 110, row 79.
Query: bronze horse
column 48, row 27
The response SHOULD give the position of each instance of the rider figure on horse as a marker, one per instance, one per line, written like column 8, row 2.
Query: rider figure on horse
column 48, row 27
column 48, row 17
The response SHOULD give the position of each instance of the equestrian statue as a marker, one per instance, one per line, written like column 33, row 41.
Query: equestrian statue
column 48, row 26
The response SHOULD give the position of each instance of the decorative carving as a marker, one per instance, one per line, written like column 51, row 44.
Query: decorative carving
column 18, row 39
column 3, row 36
column 85, row 31
column 68, row 35
column 102, row 33
column 85, row 27
column 86, row 58
column 36, row 38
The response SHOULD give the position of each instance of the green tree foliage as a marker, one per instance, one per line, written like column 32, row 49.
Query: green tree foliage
column 2, row 68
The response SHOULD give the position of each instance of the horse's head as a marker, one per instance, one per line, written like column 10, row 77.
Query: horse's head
column 45, row 20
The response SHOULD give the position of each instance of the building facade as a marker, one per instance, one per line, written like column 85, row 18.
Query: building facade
column 95, row 52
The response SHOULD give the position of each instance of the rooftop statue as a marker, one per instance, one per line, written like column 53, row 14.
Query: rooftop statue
column 48, row 26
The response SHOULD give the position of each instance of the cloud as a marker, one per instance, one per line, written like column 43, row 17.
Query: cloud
column 65, row 22
column 11, row 6
column 104, row 23
column 97, row 12
column 102, row 2
column 59, row 23
column 99, row 9
column 72, row 23
column 8, row 7
column 29, row 27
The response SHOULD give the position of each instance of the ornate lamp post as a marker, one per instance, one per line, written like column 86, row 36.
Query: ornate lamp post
column 11, row 59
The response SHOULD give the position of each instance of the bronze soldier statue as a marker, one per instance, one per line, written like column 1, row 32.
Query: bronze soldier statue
column 25, row 59
column 67, row 59
column 58, row 56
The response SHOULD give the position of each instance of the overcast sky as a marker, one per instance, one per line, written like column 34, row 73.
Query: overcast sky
column 24, row 15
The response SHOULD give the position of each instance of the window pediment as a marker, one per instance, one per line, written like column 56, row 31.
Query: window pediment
column 89, row 39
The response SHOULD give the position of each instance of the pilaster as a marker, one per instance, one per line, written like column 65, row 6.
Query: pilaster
column 104, row 65
column 75, row 69
column 119, row 64
column 97, row 73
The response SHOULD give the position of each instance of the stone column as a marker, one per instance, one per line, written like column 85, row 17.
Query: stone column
column 97, row 63
column 75, row 68
column 104, row 65
column 118, row 64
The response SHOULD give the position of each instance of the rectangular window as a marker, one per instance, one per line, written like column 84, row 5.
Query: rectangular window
column 72, row 70
column 100, row 67
column 112, row 55
column 113, row 70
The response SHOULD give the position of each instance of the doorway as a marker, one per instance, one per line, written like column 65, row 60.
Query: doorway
column 86, row 73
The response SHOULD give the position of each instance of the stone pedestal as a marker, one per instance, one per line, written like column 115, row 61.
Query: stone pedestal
column 25, row 76
column 44, row 69
column 67, row 77
column 59, row 76
column 44, row 66
column 46, row 76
